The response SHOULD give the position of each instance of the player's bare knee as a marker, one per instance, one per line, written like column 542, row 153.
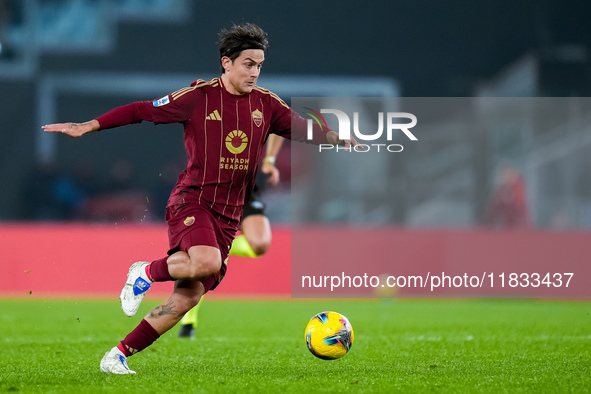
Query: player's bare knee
column 260, row 244
column 260, row 247
column 205, row 265
column 210, row 267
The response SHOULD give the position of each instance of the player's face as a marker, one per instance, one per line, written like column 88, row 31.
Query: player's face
column 242, row 73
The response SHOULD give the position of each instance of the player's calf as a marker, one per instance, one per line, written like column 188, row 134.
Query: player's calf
column 181, row 304
column 260, row 247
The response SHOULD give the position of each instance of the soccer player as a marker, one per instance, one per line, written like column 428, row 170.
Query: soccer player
column 508, row 207
column 255, row 239
column 226, row 122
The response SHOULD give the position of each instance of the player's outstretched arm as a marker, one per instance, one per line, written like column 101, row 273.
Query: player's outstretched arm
column 74, row 130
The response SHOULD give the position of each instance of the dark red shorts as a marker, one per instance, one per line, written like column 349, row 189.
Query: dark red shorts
column 190, row 224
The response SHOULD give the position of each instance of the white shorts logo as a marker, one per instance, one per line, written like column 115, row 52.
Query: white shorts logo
column 163, row 101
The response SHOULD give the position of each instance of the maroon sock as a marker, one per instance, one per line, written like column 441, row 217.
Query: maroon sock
column 159, row 270
column 140, row 338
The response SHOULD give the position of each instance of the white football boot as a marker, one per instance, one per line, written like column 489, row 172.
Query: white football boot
column 115, row 362
column 135, row 288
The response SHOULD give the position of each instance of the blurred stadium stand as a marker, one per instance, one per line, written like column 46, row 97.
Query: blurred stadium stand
column 73, row 60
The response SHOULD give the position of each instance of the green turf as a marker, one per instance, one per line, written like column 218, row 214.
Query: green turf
column 256, row 346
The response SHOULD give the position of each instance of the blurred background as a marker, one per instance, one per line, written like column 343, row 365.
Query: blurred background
column 72, row 60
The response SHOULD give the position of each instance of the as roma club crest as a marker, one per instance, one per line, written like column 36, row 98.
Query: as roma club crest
column 257, row 117
column 189, row 221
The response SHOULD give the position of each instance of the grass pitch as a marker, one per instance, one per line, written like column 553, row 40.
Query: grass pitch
column 258, row 346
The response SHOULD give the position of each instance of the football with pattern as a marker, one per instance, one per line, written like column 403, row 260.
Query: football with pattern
column 329, row 335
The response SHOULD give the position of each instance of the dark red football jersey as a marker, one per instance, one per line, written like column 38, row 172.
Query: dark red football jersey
column 224, row 137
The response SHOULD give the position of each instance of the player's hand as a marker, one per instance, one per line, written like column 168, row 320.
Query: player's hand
column 333, row 138
column 74, row 130
column 270, row 169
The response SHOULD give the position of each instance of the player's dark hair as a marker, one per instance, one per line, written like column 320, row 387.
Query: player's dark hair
column 240, row 38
